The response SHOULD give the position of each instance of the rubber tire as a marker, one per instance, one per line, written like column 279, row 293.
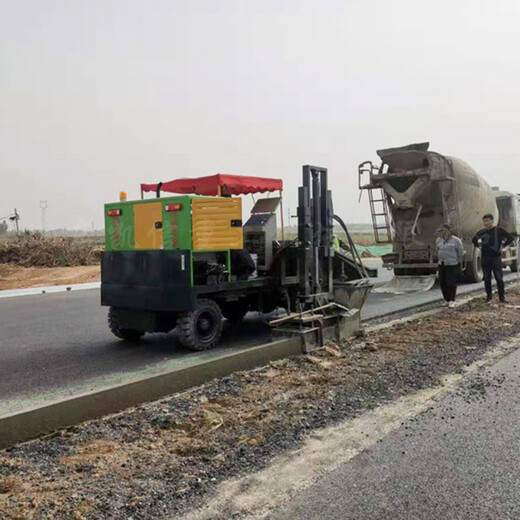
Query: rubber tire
column 514, row 266
column 190, row 336
column 234, row 312
column 120, row 332
column 473, row 272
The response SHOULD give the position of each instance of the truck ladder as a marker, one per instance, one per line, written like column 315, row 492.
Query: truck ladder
column 380, row 217
column 378, row 203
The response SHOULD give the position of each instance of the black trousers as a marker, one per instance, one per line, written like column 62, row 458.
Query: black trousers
column 493, row 265
column 448, row 281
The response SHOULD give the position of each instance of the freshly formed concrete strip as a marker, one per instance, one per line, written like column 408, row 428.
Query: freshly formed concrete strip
column 510, row 279
column 32, row 423
column 10, row 293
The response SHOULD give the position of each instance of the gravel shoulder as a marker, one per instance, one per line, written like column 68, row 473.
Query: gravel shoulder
column 164, row 458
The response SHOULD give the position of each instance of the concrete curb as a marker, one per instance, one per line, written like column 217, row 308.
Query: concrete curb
column 462, row 298
column 31, row 291
column 29, row 424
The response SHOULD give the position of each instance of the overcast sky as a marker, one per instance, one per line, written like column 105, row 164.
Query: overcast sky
column 97, row 96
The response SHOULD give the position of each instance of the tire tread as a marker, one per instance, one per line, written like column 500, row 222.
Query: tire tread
column 186, row 326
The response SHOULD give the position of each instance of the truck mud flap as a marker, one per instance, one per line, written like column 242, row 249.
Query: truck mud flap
column 405, row 284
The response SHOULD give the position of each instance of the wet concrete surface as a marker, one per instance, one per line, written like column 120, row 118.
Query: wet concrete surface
column 457, row 461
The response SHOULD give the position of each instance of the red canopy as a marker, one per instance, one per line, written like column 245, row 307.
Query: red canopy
column 230, row 184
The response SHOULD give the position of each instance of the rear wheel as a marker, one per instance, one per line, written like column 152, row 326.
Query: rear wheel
column 200, row 329
column 473, row 272
column 122, row 332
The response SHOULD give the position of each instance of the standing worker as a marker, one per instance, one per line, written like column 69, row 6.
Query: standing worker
column 449, row 253
column 491, row 240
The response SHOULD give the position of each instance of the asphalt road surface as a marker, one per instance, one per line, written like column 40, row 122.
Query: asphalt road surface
column 457, row 461
column 59, row 343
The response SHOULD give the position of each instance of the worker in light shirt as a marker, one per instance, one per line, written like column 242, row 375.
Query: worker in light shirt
column 449, row 253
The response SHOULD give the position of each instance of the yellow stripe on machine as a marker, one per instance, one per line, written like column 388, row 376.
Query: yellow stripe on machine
column 215, row 224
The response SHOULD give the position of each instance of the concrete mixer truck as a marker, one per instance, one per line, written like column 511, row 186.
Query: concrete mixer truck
column 413, row 192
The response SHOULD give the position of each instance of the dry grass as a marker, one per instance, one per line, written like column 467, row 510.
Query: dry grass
column 36, row 250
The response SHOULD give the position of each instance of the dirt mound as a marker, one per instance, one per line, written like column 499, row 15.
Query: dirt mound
column 36, row 250
column 16, row 277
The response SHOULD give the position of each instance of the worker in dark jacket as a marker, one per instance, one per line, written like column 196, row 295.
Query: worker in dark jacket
column 491, row 240
column 449, row 254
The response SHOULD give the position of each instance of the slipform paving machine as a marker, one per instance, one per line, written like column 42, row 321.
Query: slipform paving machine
column 187, row 261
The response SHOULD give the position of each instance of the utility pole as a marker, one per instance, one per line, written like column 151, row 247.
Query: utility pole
column 43, row 206
column 16, row 218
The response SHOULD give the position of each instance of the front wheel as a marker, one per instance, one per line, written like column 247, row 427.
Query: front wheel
column 473, row 272
column 122, row 332
column 200, row 328
column 514, row 266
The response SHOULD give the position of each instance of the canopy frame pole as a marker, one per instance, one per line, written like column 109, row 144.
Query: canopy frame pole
column 142, row 194
column 281, row 215
column 219, row 190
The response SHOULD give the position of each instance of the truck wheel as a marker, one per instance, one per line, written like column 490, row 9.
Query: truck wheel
column 473, row 272
column 234, row 312
column 514, row 266
column 122, row 332
column 200, row 328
